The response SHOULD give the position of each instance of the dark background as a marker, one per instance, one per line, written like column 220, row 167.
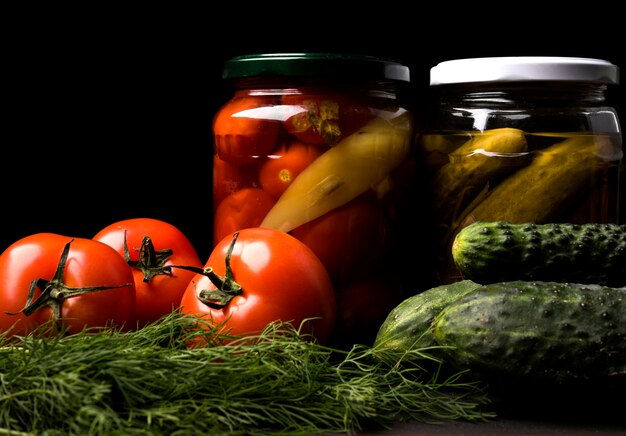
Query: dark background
column 107, row 112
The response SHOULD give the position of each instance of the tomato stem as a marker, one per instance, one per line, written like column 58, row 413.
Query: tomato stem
column 151, row 262
column 54, row 292
column 227, row 287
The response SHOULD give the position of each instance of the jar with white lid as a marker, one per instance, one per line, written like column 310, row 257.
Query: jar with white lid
column 520, row 139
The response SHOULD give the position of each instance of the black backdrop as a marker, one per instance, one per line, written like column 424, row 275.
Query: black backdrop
column 107, row 112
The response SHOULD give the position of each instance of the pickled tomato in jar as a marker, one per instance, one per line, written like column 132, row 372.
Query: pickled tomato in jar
column 321, row 146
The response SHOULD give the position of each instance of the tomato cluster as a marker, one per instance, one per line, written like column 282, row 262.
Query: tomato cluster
column 263, row 142
column 328, row 270
column 135, row 271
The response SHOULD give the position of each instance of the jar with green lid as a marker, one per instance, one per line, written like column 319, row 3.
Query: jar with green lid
column 322, row 146
column 520, row 139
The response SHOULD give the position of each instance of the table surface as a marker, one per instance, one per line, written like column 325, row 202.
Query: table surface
column 533, row 411
column 506, row 426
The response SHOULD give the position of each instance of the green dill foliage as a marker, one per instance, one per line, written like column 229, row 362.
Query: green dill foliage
column 150, row 381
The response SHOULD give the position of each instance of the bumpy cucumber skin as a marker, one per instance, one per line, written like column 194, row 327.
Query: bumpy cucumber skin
column 537, row 330
column 593, row 253
column 409, row 324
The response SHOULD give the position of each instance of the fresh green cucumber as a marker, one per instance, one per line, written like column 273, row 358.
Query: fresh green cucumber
column 409, row 323
column 593, row 253
column 537, row 331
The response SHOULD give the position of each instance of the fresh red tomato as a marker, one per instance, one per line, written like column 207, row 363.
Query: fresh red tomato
column 350, row 240
column 246, row 128
column 325, row 119
column 151, row 247
column 363, row 305
column 263, row 275
column 80, row 283
column 284, row 165
column 241, row 209
column 229, row 178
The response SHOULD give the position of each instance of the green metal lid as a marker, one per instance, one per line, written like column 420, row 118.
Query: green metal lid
column 335, row 65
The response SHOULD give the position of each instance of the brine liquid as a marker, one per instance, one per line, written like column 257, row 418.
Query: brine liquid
column 528, row 177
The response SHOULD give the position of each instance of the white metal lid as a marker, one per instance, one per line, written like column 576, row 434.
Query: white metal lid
column 524, row 68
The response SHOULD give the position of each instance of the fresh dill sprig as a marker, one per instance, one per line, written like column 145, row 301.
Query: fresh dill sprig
column 150, row 381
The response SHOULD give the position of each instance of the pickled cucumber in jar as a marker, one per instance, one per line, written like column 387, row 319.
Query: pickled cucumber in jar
column 520, row 139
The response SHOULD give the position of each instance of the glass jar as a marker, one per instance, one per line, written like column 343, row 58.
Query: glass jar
column 520, row 139
column 322, row 146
